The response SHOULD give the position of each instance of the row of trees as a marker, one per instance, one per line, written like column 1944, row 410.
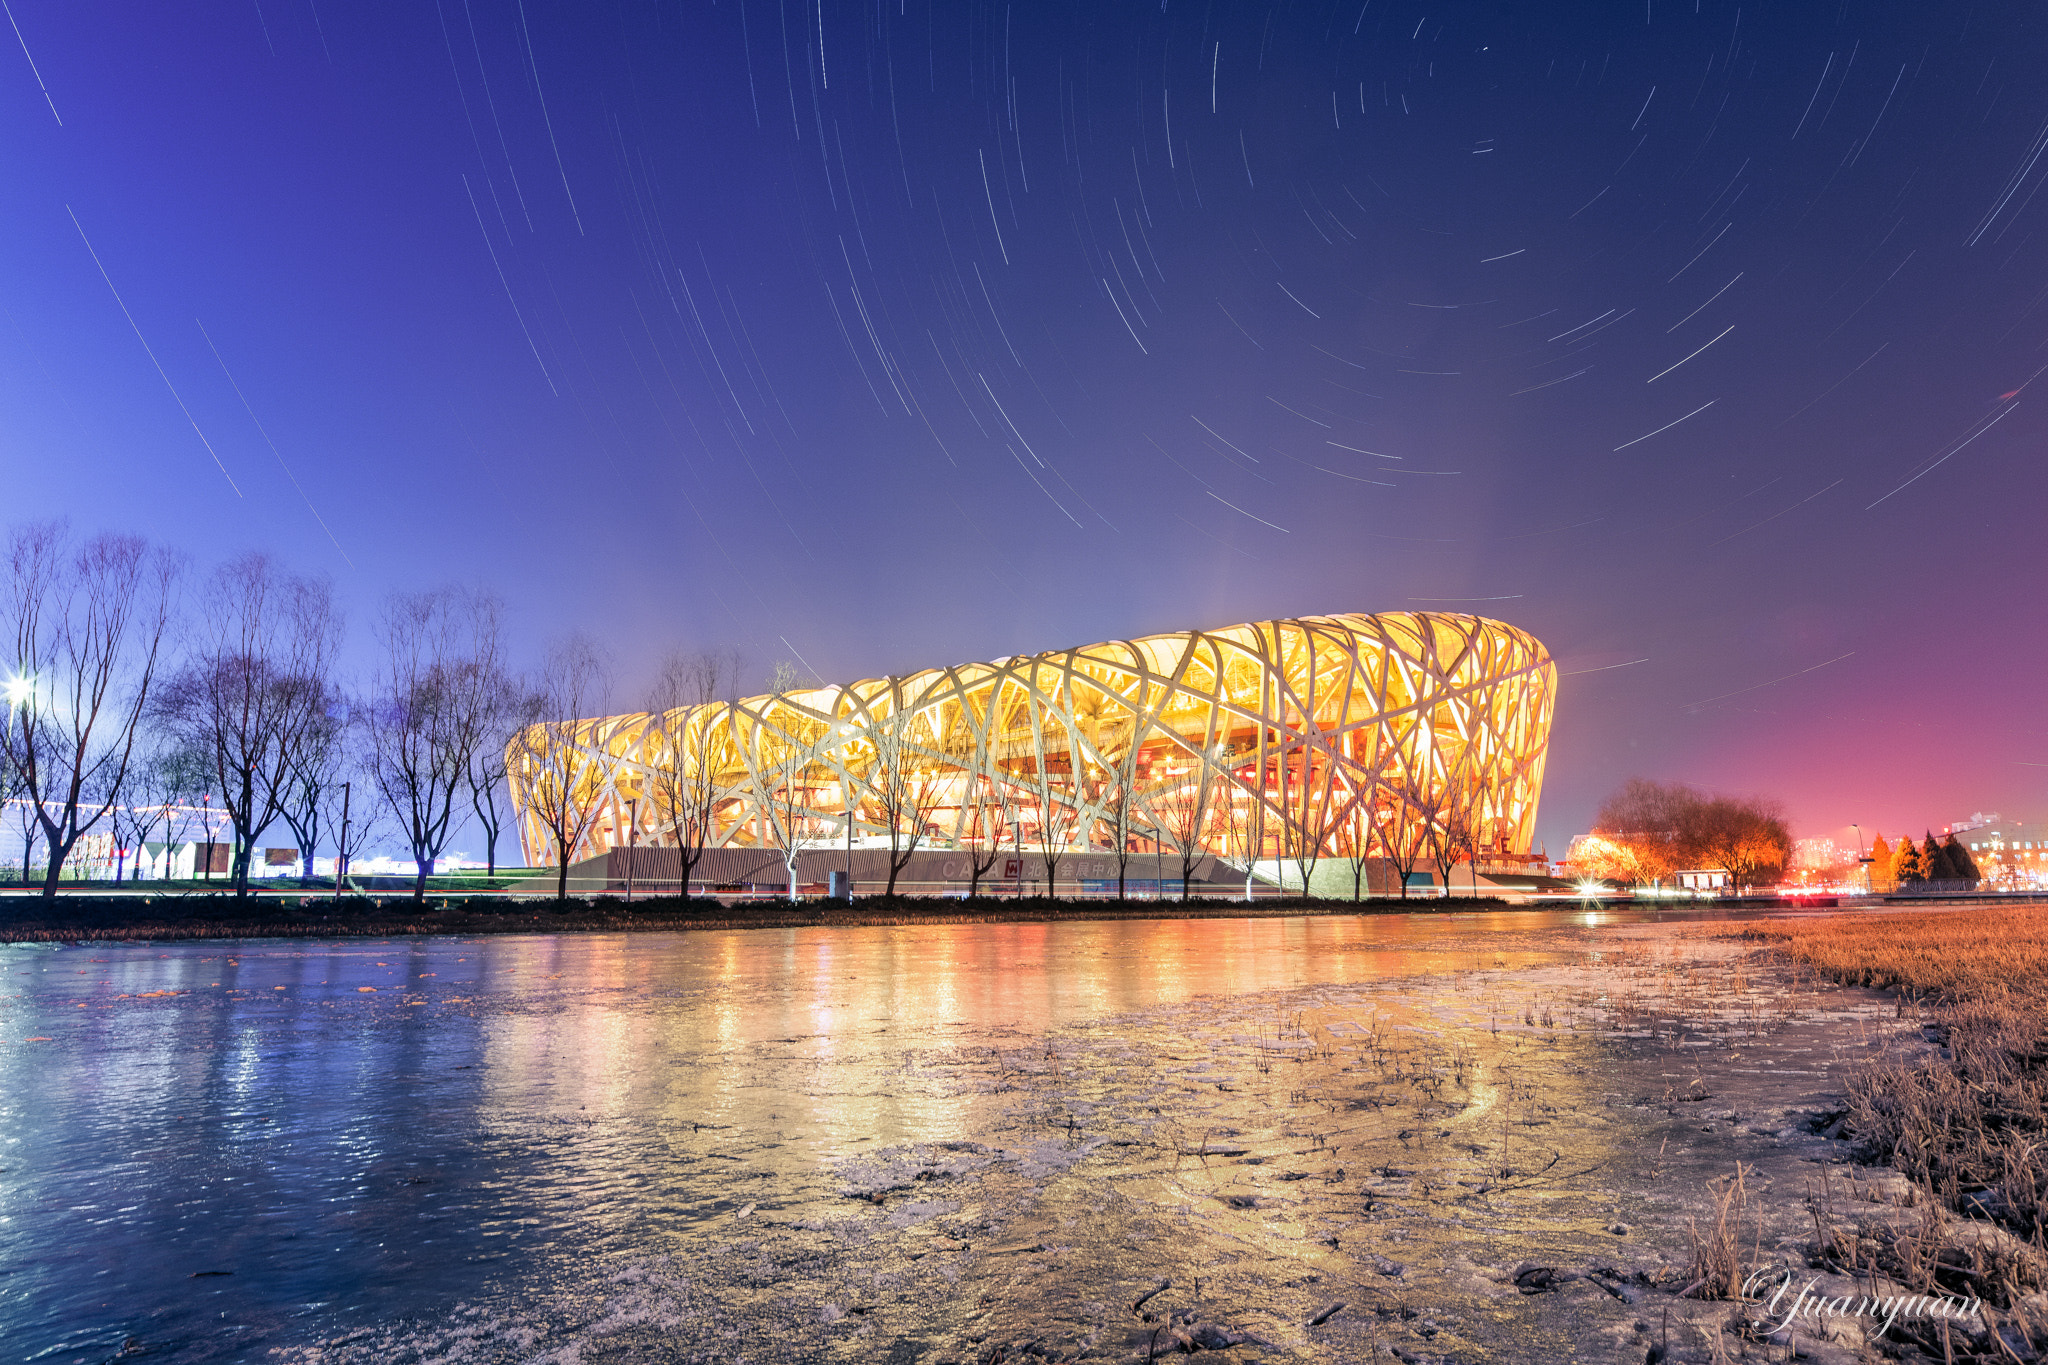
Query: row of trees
column 1647, row 831
column 1931, row 861
column 150, row 703
column 917, row 773
column 144, row 701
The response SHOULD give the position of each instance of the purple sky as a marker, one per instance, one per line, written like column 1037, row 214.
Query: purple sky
column 882, row 338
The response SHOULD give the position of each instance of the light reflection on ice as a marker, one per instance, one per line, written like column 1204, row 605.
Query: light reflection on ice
column 717, row 1137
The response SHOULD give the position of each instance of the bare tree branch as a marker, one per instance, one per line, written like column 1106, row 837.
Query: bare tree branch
column 256, row 688
column 85, row 626
column 433, row 710
column 561, row 769
column 689, row 733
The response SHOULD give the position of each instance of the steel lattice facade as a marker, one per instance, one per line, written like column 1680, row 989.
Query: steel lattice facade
column 1260, row 740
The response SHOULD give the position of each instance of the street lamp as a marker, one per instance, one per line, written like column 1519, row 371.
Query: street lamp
column 1860, row 859
column 632, row 837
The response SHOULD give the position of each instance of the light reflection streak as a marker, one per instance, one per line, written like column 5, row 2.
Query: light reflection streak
column 577, row 1095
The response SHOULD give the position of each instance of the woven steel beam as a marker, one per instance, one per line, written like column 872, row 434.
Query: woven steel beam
column 1303, row 724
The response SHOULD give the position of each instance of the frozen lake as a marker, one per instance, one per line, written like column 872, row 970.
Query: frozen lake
column 873, row 1143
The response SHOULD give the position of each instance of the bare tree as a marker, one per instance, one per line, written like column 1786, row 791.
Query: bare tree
column 1405, row 828
column 355, row 825
column 690, row 708
column 855, row 764
column 1310, row 808
column 255, row 689
column 1053, row 794
column 1745, row 837
column 431, row 712
column 1354, row 841
column 152, row 783
column 991, row 818
column 186, row 793
column 1125, row 817
column 1183, row 803
column 10, row 792
column 786, row 809
column 1241, row 810
column 311, row 772
column 1649, row 824
column 561, row 767
column 129, row 823
column 1438, row 811
column 86, row 627
column 1462, row 826
column 31, row 828
column 987, row 811
column 787, row 781
column 165, row 790
column 1354, row 825
column 511, row 705
column 908, row 779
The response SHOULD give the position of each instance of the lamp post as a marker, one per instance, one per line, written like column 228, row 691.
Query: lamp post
column 632, row 836
column 206, row 828
column 1861, row 860
column 341, row 850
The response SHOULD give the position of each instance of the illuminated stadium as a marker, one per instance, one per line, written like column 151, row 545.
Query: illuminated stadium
column 1273, row 742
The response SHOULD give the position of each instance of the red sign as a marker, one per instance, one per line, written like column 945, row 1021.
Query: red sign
column 1013, row 868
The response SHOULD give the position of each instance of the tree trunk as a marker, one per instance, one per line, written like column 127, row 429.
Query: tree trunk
column 50, row 874
column 60, row 853
column 424, row 868
column 562, row 873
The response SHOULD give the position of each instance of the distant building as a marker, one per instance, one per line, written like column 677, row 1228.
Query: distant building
column 2012, row 855
column 204, row 850
column 1817, row 854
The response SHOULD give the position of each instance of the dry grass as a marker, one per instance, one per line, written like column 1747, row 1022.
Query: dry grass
column 1969, row 1125
column 1718, row 1256
column 1975, row 954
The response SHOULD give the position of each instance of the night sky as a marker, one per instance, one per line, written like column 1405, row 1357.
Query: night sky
column 1699, row 340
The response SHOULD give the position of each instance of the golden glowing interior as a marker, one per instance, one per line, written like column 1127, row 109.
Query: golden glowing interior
column 1318, row 734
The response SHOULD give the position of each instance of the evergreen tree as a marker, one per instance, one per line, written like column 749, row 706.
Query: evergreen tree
column 1959, row 859
column 1879, row 869
column 1934, row 861
column 1906, row 864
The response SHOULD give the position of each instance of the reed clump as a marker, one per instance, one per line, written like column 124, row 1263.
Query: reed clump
column 1969, row 1124
column 1718, row 1262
